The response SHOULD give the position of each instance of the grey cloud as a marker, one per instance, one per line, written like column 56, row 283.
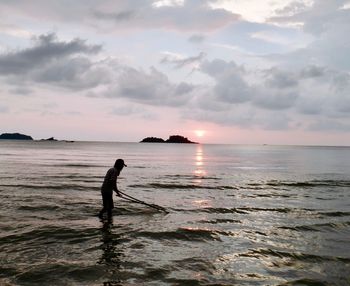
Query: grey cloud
column 46, row 48
column 193, row 15
column 73, row 73
column 313, row 91
column 177, row 17
column 269, row 122
column 244, row 116
column 131, row 109
column 217, row 68
column 341, row 91
column 317, row 18
column 3, row 109
column 182, row 62
column 275, row 100
column 50, row 61
column 281, row 79
column 241, row 116
column 313, row 71
column 277, row 89
column 153, row 88
column 22, row 90
column 329, row 23
column 230, row 87
column 197, row 38
column 329, row 125
column 117, row 16
column 310, row 105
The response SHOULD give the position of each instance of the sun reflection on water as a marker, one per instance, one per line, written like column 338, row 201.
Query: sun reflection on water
column 199, row 171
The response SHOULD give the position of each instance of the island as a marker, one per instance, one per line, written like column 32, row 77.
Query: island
column 171, row 139
column 15, row 136
column 152, row 140
column 49, row 139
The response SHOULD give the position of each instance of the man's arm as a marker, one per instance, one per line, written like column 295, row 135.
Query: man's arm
column 115, row 188
column 117, row 191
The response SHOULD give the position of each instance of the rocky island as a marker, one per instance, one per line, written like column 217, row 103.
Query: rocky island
column 15, row 136
column 171, row 139
column 49, row 139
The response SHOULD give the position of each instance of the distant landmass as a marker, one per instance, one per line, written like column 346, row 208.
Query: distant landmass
column 15, row 136
column 49, row 139
column 171, row 139
column 152, row 140
column 19, row 136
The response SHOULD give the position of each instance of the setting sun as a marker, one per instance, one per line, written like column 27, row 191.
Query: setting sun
column 199, row 133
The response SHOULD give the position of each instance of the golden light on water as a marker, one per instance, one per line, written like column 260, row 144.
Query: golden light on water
column 199, row 172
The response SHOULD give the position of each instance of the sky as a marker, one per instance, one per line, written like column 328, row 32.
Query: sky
column 215, row 71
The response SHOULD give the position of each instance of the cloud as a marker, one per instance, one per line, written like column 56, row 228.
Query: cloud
column 236, row 94
column 196, row 38
column 180, row 61
column 69, row 65
column 50, row 61
column 174, row 15
column 231, row 86
column 3, row 109
column 46, row 49
column 116, row 15
column 329, row 126
column 327, row 21
column 281, row 79
column 317, row 17
column 135, row 110
column 13, row 30
column 153, row 88
column 246, row 97
column 22, row 90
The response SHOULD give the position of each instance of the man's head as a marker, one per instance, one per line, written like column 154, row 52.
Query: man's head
column 119, row 164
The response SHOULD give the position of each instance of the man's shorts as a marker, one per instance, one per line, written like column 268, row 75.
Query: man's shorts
column 107, row 199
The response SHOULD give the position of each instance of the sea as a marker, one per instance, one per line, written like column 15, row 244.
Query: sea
column 236, row 214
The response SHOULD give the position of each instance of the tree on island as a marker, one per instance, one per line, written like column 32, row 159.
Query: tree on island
column 172, row 139
column 15, row 136
column 152, row 140
column 178, row 139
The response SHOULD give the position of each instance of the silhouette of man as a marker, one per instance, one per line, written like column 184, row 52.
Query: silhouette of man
column 109, row 185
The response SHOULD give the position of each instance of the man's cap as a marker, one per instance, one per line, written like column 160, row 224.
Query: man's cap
column 120, row 163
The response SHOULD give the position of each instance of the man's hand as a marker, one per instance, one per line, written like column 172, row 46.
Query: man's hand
column 118, row 194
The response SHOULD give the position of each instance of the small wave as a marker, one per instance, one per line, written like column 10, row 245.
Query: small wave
column 187, row 234
column 181, row 186
column 78, row 165
column 214, row 210
column 312, row 183
column 318, row 227
column 50, row 186
column 50, row 234
column 246, row 210
column 218, row 221
column 196, row 264
column 243, row 210
column 266, row 252
column 335, row 214
column 39, row 208
column 170, row 186
column 306, row 282
column 190, row 177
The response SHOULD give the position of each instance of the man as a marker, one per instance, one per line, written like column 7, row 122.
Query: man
column 110, row 184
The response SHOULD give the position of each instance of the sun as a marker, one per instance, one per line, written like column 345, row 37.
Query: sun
column 199, row 132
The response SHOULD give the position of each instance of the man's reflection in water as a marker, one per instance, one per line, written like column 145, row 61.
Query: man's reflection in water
column 111, row 255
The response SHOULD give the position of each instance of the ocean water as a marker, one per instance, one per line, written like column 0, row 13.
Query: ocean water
column 238, row 215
